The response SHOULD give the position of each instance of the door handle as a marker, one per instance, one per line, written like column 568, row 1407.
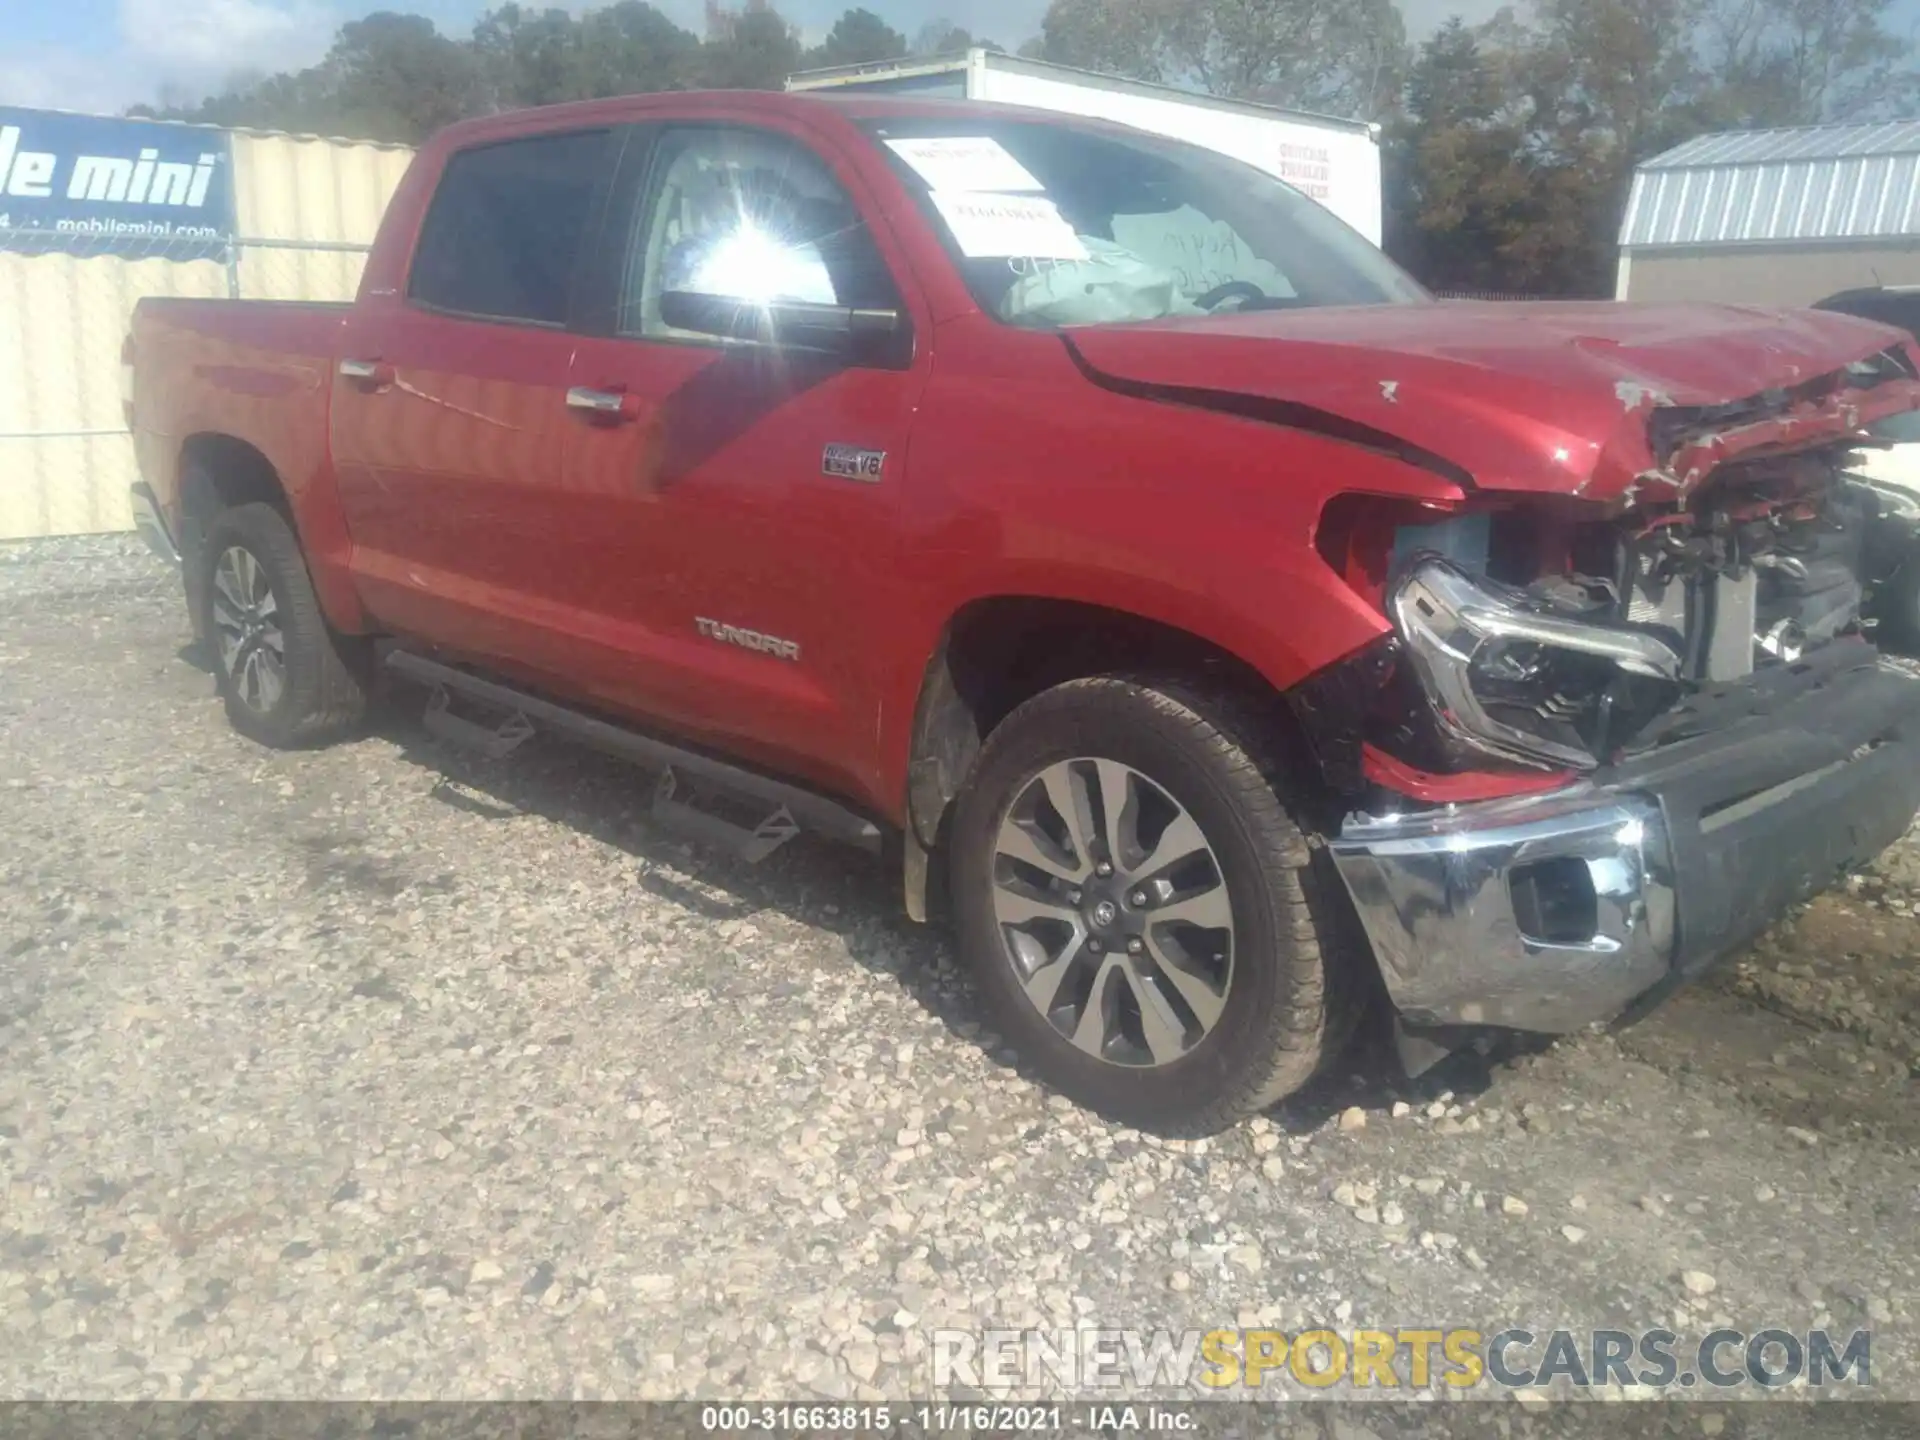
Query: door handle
column 603, row 404
column 369, row 374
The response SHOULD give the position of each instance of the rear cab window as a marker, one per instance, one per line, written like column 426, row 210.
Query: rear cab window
column 509, row 222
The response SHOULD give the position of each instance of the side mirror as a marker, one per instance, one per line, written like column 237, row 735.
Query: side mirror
column 872, row 337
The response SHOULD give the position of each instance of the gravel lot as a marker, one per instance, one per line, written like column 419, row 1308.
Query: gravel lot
column 384, row 1071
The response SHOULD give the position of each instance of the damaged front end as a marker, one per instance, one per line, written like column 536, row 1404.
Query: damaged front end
column 1547, row 636
column 1575, row 667
column 1603, row 745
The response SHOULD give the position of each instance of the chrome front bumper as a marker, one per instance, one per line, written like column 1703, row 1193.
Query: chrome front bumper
column 1545, row 914
column 152, row 525
column 1557, row 911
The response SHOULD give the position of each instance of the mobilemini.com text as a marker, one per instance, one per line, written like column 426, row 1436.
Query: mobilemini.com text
column 1517, row 1358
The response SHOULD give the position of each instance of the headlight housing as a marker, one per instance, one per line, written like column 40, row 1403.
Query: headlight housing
column 1509, row 677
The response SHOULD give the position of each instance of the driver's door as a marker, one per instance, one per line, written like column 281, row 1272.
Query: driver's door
column 749, row 492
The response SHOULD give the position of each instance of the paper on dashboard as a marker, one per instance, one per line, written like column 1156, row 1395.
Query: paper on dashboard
column 1007, row 226
column 964, row 162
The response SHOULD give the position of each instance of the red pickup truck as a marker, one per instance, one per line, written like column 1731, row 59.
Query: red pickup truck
column 1221, row 630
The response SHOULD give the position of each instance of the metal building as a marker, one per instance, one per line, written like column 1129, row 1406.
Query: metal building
column 296, row 214
column 1775, row 217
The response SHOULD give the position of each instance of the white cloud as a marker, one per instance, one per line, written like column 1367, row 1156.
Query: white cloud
column 165, row 49
column 45, row 78
column 197, row 46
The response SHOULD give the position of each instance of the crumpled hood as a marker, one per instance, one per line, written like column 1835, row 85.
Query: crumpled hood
column 1543, row 398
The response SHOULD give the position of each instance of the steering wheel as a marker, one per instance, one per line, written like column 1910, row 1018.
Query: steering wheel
column 1231, row 290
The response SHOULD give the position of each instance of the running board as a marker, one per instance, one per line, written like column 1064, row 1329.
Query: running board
column 682, row 770
column 496, row 742
column 693, row 815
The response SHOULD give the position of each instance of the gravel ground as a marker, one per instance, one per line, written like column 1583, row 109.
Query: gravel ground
column 387, row 1072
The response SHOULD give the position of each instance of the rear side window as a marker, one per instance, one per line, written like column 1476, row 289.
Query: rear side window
column 507, row 226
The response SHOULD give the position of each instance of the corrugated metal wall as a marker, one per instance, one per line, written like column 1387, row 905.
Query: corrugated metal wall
column 1820, row 182
column 62, row 318
column 296, row 188
column 61, row 321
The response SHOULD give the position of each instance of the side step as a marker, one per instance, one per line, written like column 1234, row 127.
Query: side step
column 682, row 811
column 686, row 775
column 496, row 743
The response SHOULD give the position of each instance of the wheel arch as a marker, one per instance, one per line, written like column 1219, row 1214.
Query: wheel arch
column 998, row 651
column 218, row 471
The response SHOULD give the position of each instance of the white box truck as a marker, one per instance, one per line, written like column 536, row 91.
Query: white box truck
column 1337, row 162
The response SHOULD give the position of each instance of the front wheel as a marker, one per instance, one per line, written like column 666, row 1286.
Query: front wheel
column 1143, row 917
column 286, row 677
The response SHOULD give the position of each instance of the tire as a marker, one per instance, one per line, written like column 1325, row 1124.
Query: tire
column 286, row 679
column 1252, row 1011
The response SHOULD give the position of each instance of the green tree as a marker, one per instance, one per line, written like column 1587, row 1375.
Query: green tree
column 631, row 48
column 753, row 48
column 1460, row 190
column 395, row 75
column 858, row 37
column 387, row 77
column 529, row 57
column 940, row 36
column 1806, row 62
column 1115, row 37
column 545, row 57
column 1343, row 56
column 1608, row 83
column 1618, row 78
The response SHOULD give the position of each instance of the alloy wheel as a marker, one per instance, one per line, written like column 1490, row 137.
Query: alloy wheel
column 1114, row 912
column 246, row 622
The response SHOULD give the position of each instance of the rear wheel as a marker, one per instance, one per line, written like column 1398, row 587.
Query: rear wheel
column 1143, row 917
column 285, row 677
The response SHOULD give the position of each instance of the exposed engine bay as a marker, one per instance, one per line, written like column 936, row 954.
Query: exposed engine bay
column 1561, row 643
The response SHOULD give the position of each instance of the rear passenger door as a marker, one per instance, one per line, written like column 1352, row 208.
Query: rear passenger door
column 449, row 410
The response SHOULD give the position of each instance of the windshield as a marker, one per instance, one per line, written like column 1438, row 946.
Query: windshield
column 1054, row 224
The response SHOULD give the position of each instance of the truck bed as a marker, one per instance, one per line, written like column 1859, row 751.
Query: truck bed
column 255, row 371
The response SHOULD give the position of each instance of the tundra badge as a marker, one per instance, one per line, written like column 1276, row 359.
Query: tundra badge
column 850, row 462
column 747, row 639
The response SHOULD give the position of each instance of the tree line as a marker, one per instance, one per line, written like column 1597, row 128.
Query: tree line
column 1509, row 145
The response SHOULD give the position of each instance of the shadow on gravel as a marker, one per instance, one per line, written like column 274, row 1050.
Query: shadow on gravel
column 1369, row 1075
column 839, row 890
column 812, row 881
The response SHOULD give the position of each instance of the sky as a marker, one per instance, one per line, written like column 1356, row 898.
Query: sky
column 104, row 55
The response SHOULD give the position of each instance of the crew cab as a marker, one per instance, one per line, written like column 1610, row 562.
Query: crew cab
column 1217, row 628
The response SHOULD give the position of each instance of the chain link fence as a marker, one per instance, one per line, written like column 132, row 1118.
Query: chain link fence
column 67, row 298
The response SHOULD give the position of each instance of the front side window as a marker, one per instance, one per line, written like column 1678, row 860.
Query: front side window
column 1060, row 224
column 507, row 227
column 751, row 216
